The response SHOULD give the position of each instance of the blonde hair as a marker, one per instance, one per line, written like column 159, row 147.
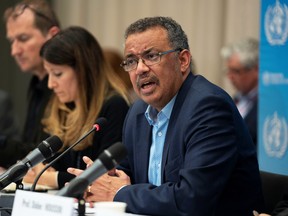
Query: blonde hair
column 97, row 83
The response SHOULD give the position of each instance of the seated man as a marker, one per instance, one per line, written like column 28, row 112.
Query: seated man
column 28, row 25
column 189, row 150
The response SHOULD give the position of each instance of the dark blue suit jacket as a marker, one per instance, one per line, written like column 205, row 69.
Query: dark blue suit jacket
column 251, row 121
column 209, row 164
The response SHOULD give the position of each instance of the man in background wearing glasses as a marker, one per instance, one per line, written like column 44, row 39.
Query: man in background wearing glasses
column 189, row 150
column 29, row 25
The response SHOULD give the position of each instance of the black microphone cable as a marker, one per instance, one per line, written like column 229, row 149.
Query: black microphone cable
column 96, row 127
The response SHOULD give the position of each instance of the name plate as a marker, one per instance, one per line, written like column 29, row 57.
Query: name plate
column 33, row 203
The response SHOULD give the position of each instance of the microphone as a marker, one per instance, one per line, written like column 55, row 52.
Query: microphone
column 45, row 150
column 107, row 160
column 100, row 122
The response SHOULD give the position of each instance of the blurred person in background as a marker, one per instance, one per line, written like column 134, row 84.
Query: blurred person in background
column 29, row 24
column 241, row 63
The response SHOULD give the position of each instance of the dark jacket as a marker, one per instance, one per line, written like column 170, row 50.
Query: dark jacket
column 209, row 163
column 12, row 150
column 114, row 110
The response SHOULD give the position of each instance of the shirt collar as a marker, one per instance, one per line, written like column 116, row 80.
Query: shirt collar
column 152, row 114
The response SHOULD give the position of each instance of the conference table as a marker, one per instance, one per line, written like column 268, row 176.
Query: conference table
column 8, row 194
column 7, row 200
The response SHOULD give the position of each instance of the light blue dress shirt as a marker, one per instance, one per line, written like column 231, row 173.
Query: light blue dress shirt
column 159, row 122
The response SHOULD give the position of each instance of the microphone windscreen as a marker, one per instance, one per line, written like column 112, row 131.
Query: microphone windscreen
column 50, row 146
column 100, row 123
column 113, row 155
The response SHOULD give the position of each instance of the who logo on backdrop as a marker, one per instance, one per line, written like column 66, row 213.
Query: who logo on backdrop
column 275, row 135
column 276, row 23
column 273, row 87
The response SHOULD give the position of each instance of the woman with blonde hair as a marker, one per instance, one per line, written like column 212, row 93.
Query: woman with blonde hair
column 85, row 88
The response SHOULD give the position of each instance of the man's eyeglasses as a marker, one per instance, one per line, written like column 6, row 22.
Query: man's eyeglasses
column 21, row 8
column 148, row 59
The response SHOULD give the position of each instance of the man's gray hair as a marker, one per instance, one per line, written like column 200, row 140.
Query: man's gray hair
column 247, row 50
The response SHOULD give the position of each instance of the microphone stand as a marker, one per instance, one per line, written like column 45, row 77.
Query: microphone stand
column 60, row 156
column 81, row 205
column 19, row 185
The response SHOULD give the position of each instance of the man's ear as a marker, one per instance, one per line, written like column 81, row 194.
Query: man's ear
column 185, row 59
column 53, row 31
